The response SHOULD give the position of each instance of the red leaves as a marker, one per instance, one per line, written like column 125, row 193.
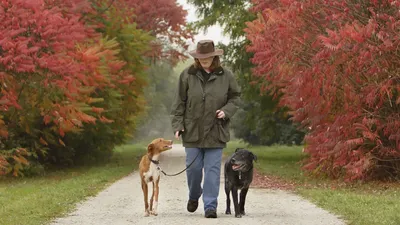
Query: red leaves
column 12, row 161
column 105, row 120
column 42, row 141
column 271, row 182
column 3, row 165
column 3, row 129
column 58, row 73
column 41, row 39
column 354, row 142
column 32, row 4
column 166, row 20
column 13, row 33
column 97, row 110
column 337, row 68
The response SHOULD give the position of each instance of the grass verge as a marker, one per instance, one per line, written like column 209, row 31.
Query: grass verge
column 38, row 200
column 358, row 204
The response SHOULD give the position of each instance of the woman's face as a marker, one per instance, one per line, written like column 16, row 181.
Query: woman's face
column 206, row 62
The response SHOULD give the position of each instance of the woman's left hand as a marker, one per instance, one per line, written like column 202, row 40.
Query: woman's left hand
column 220, row 114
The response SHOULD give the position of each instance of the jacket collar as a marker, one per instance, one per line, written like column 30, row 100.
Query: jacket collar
column 218, row 71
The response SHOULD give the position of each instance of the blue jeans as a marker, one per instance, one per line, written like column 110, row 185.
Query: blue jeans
column 210, row 160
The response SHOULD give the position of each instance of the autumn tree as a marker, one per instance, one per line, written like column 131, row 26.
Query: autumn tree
column 165, row 20
column 336, row 65
column 72, row 77
column 48, row 70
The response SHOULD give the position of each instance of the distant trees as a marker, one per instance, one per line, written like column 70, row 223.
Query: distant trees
column 260, row 121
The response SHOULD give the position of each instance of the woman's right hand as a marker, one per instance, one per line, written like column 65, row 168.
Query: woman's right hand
column 177, row 134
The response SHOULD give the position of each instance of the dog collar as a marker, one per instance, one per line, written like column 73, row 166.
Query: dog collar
column 154, row 161
column 157, row 162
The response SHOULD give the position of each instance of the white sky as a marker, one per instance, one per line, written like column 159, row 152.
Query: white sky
column 214, row 33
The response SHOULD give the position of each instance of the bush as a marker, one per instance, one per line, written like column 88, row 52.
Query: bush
column 336, row 64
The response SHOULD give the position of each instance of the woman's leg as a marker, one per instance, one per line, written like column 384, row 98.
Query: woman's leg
column 212, row 172
column 194, row 174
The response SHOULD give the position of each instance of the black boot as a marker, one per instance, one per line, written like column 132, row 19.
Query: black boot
column 211, row 213
column 192, row 205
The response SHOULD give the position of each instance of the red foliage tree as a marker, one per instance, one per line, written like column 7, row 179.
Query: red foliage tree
column 38, row 39
column 165, row 20
column 54, row 62
column 45, row 48
column 336, row 62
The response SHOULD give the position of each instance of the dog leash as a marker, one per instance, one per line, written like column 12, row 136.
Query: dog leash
column 171, row 175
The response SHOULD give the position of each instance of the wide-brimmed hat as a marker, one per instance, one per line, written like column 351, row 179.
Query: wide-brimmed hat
column 205, row 49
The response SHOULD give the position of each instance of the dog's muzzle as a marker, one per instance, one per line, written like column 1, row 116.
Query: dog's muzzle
column 238, row 165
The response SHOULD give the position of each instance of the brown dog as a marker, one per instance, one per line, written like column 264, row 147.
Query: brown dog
column 150, row 172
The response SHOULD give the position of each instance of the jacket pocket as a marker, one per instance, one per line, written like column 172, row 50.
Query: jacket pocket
column 223, row 130
column 191, row 133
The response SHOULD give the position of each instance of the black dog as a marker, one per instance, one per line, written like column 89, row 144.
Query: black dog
column 238, row 175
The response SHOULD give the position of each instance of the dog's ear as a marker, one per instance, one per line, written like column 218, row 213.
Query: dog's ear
column 150, row 148
column 254, row 157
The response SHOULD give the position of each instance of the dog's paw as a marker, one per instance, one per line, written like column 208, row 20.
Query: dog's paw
column 228, row 212
column 242, row 213
column 154, row 213
column 238, row 215
column 146, row 213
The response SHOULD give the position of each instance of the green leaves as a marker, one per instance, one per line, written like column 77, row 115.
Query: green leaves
column 232, row 17
column 261, row 109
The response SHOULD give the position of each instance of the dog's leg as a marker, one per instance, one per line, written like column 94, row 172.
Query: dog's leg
column 235, row 202
column 228, row 200
column 156, row 191
column 151, row 199
column 243, row 194
column 145, row 194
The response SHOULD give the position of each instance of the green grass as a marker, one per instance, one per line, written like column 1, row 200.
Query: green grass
column 358, row 204
column 38, row 200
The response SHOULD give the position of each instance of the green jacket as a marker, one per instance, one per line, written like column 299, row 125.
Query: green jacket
column 194, row 108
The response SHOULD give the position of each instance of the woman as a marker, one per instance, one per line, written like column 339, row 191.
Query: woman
column 206, row 100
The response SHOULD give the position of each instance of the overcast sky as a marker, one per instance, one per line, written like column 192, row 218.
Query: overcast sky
column 213, row 33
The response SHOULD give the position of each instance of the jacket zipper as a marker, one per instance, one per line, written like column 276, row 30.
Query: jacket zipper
column 204, row 93
column 202, row 89
column 204, row 99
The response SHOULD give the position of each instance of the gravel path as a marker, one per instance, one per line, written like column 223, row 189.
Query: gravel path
column 122, row 203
